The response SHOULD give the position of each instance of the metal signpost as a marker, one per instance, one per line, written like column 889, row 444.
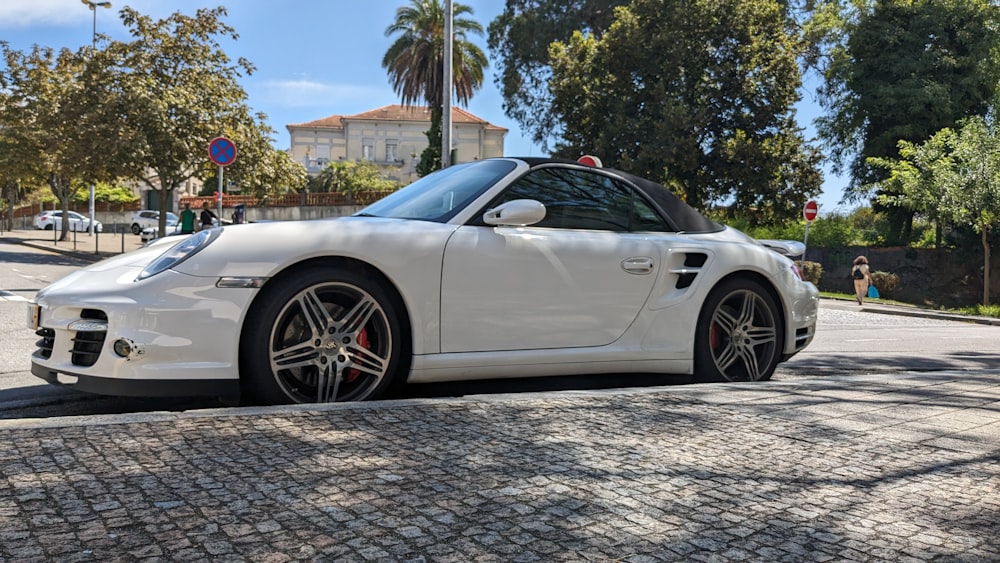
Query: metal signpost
column 809, row 212
column 222, row 151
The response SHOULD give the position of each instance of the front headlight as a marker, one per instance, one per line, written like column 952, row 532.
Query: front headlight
column 180, row 252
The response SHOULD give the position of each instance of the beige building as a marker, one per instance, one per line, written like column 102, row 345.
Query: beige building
column 392, row 137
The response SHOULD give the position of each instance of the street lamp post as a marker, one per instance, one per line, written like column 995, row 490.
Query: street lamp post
column 93, row 8
column 93, row 44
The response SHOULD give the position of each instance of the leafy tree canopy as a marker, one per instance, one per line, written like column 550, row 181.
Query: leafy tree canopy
column 48, row 121
column 899, row 70
column 519, row 39
column 173, row 89
column 697, row 95
column 955, row 172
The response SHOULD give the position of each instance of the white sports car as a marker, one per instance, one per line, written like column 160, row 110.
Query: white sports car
column 499, row 268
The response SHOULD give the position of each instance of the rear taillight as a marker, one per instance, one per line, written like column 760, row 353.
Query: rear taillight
column 795, row 270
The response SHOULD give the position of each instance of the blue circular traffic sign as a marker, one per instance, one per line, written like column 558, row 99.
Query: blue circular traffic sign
column 222, row 151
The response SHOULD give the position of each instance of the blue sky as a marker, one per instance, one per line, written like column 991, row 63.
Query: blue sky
column 314, row 58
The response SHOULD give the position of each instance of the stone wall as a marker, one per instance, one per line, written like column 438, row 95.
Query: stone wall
column 928, row 276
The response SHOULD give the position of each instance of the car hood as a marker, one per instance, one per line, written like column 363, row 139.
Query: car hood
column 262, row 249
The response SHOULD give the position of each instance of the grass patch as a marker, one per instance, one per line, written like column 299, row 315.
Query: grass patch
column 981, row 310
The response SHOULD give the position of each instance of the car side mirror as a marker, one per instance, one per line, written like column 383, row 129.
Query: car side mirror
column 515, row 213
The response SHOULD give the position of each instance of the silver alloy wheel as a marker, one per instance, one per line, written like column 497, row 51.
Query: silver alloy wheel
column 743, row 338
column 330, row 342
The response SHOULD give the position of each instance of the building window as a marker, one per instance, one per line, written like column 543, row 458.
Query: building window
column 391, row 152
column 368, row 150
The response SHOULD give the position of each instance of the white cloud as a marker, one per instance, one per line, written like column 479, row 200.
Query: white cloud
column 27, row 13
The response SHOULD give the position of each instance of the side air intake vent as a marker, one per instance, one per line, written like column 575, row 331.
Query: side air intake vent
column 692, row 267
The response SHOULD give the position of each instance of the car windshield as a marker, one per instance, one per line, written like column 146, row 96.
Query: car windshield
column 171, row 218
column 440, row 196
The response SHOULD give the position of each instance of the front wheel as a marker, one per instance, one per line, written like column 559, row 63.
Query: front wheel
column 739, row 334
column 321, row 335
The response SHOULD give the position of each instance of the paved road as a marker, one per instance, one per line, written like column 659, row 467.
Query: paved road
column 886, row 467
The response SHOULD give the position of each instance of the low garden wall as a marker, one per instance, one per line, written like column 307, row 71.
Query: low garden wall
column 937, row 277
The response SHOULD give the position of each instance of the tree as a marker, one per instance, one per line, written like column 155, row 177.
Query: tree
column 415, row 62
column 697, row 95
column 174, row 90
column 48, row 123
column 900, row 70
column 351, row 178
column 958, row 172
column 519, row 39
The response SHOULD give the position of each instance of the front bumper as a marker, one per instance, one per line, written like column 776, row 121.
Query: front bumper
column 181, row 333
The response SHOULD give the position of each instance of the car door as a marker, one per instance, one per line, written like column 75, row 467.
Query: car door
column 577, row 278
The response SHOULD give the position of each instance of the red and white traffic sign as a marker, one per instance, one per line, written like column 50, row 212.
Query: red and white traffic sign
column 810, row 210
column 222, row 151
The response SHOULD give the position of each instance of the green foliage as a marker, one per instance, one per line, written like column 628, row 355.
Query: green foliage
column 519, row 40
column 982, row 310
column 173, row 89
column 46, row 121
column 722, row 134
column 811, row 271
column 350, row 178
column 955, row 175
column 887, row 283
column 896, row 71
column 430, row 158
column 106, row 193
column 833, row 230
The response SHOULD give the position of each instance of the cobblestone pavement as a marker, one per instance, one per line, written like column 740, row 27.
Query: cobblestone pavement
column 885, row 467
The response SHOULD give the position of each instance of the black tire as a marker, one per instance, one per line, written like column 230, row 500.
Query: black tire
column 739, row 334
column 136, row 229
column 49, row 227
column 321, row 335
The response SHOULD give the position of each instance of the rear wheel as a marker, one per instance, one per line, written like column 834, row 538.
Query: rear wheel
column 136, row 229
column 739, row 334
column 321, row 336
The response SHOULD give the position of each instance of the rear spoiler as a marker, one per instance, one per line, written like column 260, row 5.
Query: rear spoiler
column 789, row 248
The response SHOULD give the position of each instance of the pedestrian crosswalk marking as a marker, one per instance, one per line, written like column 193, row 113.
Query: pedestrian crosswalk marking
column 8, row 296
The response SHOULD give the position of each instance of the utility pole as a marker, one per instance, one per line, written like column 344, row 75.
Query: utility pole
column 446, row 89
column 93, row 45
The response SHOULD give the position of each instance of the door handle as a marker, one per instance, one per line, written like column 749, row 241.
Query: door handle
column 639, row 265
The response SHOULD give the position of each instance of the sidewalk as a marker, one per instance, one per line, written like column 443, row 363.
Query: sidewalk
column 80, row 244
column 896, row 467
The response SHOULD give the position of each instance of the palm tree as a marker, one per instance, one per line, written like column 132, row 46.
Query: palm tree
column 415, row 63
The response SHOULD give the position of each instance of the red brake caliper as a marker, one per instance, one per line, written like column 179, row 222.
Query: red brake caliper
column 362, row 341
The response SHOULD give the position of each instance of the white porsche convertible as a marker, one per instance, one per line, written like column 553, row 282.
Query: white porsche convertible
column 500, row 268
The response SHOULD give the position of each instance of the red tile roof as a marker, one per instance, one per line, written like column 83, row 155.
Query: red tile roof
column 396, row 113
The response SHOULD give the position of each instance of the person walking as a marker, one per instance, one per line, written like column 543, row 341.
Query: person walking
column 206, row 216
column 187, row 220
column 862, row 278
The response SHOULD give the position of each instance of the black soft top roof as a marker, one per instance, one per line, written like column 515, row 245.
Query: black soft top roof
column 683, row 215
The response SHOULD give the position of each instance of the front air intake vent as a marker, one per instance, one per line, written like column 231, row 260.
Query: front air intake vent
column 87, row 345
column 46, row 343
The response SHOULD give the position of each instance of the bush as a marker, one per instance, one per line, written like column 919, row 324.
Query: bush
column 886, row 283
column 811, row 271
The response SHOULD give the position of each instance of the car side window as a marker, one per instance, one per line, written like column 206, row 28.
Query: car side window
column 581, row 199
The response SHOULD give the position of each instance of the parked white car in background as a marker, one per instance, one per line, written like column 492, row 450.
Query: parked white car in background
column 149, row 218
column 49, row 220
